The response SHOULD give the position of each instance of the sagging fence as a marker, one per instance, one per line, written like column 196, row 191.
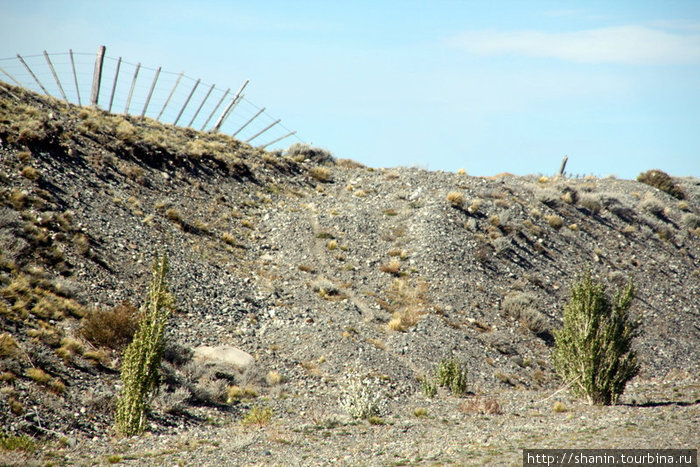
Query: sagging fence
column 118, row 86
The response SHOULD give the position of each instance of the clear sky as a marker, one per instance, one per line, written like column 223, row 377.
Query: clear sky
column 489, row 86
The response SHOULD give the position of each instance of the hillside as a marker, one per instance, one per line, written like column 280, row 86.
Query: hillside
column 324, row 271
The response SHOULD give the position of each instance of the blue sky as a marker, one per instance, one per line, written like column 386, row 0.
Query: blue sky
column 488, row 86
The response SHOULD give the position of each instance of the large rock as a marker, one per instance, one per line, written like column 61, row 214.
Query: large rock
column 225, row 355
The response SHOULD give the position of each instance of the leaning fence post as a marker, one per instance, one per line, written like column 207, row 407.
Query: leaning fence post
column 150, row 92
column 263, row 130
column 114, row 86
column 215, row 109
column 131, row 90
column 187, row 101
column 11, row 77
column 263, row 146
column 55, row 76
column 33, row 75
column 179, row 77
column 97, row 76
column 229, row 108
column 75, row 76
column 248, row 122
column 563, row 165
column 201, row 105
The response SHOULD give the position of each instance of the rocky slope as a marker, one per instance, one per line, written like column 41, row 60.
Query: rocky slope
column 326, row 272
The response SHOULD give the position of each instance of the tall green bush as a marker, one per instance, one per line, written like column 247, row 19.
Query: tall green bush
column 142, row 358
column 593, row 350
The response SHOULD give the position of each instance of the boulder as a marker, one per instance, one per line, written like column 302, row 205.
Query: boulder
column 225, row 355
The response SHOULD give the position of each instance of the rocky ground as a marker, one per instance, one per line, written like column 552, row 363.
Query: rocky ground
column 327, row 273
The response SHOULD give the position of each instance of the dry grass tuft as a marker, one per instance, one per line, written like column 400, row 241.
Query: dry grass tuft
column 456, row 199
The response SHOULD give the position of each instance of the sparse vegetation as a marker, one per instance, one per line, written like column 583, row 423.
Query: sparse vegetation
column 593, row 350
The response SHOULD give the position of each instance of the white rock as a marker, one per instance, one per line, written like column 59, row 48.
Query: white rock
column 224, row 355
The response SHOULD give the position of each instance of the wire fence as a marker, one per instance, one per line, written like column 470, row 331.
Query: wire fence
column 123, row 87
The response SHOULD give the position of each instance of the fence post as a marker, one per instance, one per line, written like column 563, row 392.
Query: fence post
column 150, row 92
column 179, row 77
column 97, row 76
column 131, row 90
column 33, row 75
column 215, row 109
column 263, row 130
column 229, row 108
column 563, row 165
column 11, row 77
column 75, row 76
column 55, row 76
column 187, row 101
column 114, row 86
column 263, row 146
column 248, row 122
column 201, row 105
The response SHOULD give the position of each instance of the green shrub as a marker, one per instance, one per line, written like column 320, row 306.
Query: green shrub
column 141, row 360
column 661, row 180
column 593, row 350
column 17, row 443
column 452, row 374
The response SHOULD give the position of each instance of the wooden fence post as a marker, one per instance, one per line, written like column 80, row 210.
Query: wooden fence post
column 563, row 165
column 55, row 76
column 75, row 76
column 263, row 146
column 131, row 90
column 263, row 130
column 97, row 76
column 179, row 77
column 229, row 108
column 114, row 86
column 215, row 109
column 11, row 77
column 150, row 92
column 248, row 122
column 33, row 75
column 201, row 105
column 187, row 101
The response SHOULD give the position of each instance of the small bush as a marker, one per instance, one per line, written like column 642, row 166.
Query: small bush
column 393, row 268
column 456, row 199
column 258, row 415
column 301, row 151
column 652, row 206
column 593, row 350
column 30, row 173
column 663, row 181
column 113, row 328
column 591, row 203
column 322, row 174
column 690, row 220
column 362, row 399
column 483, row 407
column 452, row 374
column 554, row 221
column 428, row 387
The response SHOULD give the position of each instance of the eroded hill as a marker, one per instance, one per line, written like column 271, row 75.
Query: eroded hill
column 324, row 270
